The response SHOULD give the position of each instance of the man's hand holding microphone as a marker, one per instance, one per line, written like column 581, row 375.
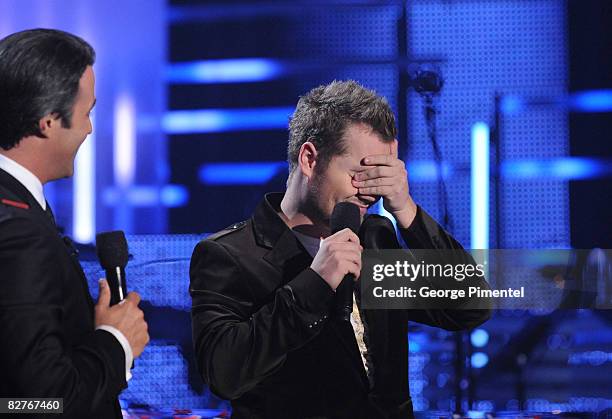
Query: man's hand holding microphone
column 126, row 317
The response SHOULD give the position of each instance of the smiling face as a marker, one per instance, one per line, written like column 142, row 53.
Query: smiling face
column 65, row 142
column 333, row 184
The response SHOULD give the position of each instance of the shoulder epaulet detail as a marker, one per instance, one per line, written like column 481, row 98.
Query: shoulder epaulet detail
column 15, row 204
column 227, row 230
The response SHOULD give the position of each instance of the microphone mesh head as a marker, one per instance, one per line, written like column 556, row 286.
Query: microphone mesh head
column 112, row 249
column 377, row 232
column 345, row 215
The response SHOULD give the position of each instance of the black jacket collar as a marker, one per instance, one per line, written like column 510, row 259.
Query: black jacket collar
column 19, row 191
column 267, row 224
column 15, row 191
column 271, row 231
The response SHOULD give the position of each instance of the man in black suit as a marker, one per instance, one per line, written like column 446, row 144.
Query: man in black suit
column 263, row 290
column 54, row 341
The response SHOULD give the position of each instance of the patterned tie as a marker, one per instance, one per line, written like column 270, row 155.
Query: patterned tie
column 359, row 331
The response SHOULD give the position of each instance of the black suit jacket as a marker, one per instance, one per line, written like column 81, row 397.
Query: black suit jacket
column 48, row 345
column 265, row 338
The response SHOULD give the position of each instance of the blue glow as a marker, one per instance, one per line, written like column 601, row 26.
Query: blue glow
column 84, row 190
column 124, row 140
column 480, row 186
column 240, row 173
column 174, row 196
column 479, row 359
column 591, row 101
column 147, row 196
column 585, row 101
column 475, row 414
column 414, row 346
column 379, row 208
column 221, row 120
column 564, row 168
column 239, row 70
column 479, row 338
column 427, row 170
column 511, row 105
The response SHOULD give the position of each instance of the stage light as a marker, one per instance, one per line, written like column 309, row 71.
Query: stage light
column 427, row 170
column 512, row 105
column 248, row 173
column 563, row 168
column 238, row 70
column 147, row 196
column 84, row 189
column 479, row 359
column 124, row 141
column 222, row 120
column 591, row 101
column 480, row 187
column 479, row 338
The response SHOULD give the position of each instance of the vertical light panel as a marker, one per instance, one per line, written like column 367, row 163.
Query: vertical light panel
column 84, row 190
column 480, row 186
column 124, row 141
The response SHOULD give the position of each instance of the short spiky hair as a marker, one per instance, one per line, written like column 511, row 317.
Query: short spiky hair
column 40, row 71
column 323, row 115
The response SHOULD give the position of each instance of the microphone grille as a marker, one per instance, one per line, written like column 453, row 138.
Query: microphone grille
column 345, row 215
column 112, row 249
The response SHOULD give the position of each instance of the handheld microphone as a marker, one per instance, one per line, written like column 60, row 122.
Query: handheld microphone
column 377, row 233
column 345, row 215
column 112, row 251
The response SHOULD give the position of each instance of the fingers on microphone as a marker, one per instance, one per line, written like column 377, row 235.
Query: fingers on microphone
column 344, row 235
column 352, row 237
column 104, row 295
column 134, row 297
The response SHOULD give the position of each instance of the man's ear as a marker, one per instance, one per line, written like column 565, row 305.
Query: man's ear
column 394, row 147
column 48, row 123
column 307, row 159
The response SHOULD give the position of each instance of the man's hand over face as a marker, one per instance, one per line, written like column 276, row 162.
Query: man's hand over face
column 386, row 176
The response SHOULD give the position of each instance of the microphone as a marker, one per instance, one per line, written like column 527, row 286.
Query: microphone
column 345, row 215
column 112, row 251
column 377, row 233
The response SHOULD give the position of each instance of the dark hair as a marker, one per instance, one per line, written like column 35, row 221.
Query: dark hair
column 40, row 71
column 323, row 115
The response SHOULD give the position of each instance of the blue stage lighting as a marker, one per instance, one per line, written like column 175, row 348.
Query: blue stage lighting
column 479, row 338
column 252, row 173
column 222, row 120
column 564, row 168
column 591, row 101
column 512, row 105
column 479, row 359
column 480, row 172
column 427, row 170
column 239, row 70
column 147, row 196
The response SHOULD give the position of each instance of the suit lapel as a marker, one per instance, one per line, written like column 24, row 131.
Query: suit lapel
column 21, row 193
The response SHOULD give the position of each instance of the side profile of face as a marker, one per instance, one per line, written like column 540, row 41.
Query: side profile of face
column 333, row 185
column 63, row 143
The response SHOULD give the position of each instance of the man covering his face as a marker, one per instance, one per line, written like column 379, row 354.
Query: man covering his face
column 264, row 328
